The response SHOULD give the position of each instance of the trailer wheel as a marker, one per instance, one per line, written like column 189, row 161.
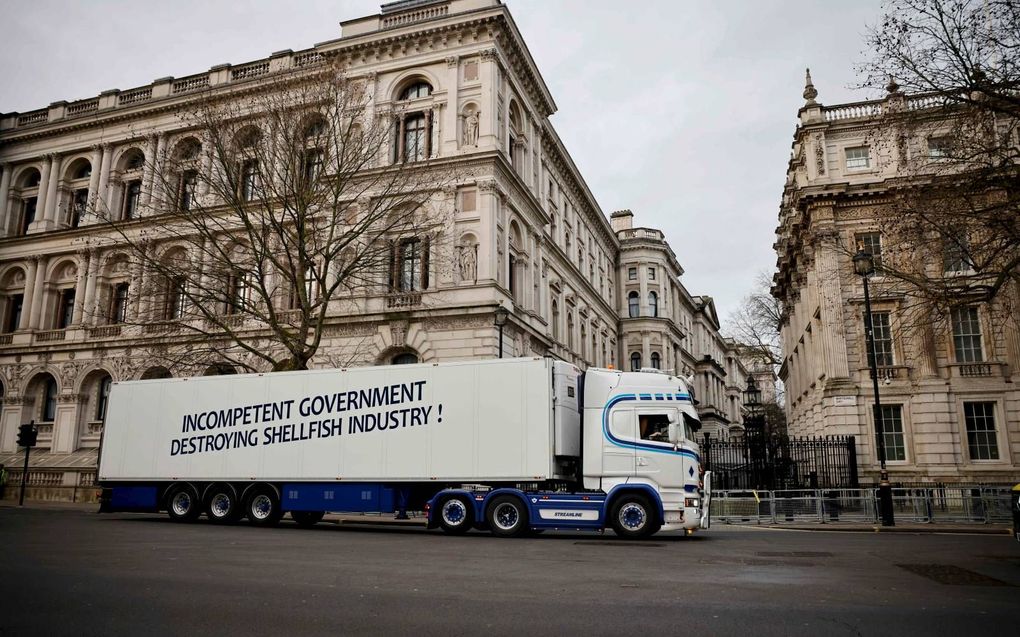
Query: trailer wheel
column 633, row 517
column 307, row 519
column 221, row 505
column 507, row 516
column 182, row 503
column 262, row 507
column 456, row 515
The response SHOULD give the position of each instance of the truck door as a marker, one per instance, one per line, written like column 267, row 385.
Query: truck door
column 617, row 459
column 652, row 459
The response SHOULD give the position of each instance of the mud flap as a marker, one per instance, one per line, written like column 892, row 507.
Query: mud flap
column 706, row 501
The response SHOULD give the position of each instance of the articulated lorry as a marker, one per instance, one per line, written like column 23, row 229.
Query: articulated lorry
column 511, row 445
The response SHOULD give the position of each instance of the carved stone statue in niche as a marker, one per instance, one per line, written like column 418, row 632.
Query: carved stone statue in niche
column 471, row 129
column 468, row 262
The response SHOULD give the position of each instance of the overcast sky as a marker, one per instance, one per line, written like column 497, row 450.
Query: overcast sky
column 681, row 111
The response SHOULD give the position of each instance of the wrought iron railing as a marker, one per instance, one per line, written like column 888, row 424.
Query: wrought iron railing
column 780, row 462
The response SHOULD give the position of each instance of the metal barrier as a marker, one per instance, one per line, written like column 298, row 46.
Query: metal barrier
column 977, row 504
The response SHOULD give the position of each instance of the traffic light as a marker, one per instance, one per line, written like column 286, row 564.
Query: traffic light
column 27, row 435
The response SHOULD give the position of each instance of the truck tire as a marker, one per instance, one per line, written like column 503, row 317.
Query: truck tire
column 262, row 507
column 507, row 516
column 456, row 515
column 633, row 517
column 182, row 503
column 307, row 519
column 221, row 504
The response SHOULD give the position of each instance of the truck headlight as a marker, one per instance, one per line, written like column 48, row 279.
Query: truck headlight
column 691, row 503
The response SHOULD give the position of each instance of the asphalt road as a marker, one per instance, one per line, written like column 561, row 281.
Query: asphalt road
column 80, row 573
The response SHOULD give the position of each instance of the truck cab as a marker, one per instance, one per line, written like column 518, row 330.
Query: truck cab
column 638, row 440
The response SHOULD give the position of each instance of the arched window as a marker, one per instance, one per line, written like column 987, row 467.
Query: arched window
column 49, row 403
column 103, row 396
column 633, row 305
column 653, row 303
column 570, row 331
column 417, row 90
column 635, row 362
column 406, row 358
column 656, row 361
column 512, row 277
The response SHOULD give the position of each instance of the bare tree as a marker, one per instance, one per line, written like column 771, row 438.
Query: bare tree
column 755, row 324
column 951, row 224
column 276, row 207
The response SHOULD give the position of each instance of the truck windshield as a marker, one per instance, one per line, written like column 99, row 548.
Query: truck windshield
column 690, row 425
column 654, row 427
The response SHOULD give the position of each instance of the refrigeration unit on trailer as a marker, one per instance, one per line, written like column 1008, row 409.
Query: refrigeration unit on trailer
column 508, row 445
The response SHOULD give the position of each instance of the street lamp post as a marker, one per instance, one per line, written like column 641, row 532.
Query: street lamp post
column 500, row 317
column 864, row 265
column 754, row 433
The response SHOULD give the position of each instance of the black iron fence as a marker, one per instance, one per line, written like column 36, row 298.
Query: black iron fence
column 782, row 462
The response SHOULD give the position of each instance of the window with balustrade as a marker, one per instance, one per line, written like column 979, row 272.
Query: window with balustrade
column 858, row 158
column 881, row 330
column 409, row 265
column 414, row 128
column 119, row 303
column 982, row 439
column 967, row 345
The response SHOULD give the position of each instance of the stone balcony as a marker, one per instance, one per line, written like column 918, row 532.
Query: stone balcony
column 987, row 369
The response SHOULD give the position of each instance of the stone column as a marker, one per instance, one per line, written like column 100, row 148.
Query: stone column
column 834, row 337
column 488, row 120
column 50, row 212
column 451, row 132
column 27, row 302
column 206, row 168
column 80, row 287
column 97, row 162
column 91, row 304
column 38, row 297
column 151, row 151
column 65, row 424
column 40, row 222
column 103, row 200
column 5, row 187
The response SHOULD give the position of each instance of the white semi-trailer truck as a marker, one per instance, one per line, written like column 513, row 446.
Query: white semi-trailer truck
column 508, row 445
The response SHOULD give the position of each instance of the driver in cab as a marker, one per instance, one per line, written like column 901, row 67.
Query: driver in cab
column 654, row 427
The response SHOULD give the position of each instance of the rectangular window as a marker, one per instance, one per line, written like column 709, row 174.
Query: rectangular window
column 967, row 335
column 65, row 309
column 311, row 165
column 414, row 138
column 132, row 197
column 955, row 249
column 651, row 274
column 238, row 289
column 119, row 303
column 186, row 190
column 27, row 214
column 103, row 397
column 632, row 274
column 871, row 242
column 410, row 265
column 883, row 340
column 15, row 303
column 79, row 203
column 892, row 430
column 981, row 441
column 249, row 180
column 175, row 299
column 858, row 158
column 939, row 147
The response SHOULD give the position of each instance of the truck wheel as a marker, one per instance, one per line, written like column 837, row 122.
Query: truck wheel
column 263, row 507
column 633, row 517
column 456, row 515
column 221, row 505
column 182, row 503
column 307, row 519
column 507, row 516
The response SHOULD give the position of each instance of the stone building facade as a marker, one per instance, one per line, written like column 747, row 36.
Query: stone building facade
column 526, row 232
column 948, row 415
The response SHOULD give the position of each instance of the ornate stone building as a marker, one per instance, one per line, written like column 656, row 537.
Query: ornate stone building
column 949, row 388
column 663, row 326
column 526, row 232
